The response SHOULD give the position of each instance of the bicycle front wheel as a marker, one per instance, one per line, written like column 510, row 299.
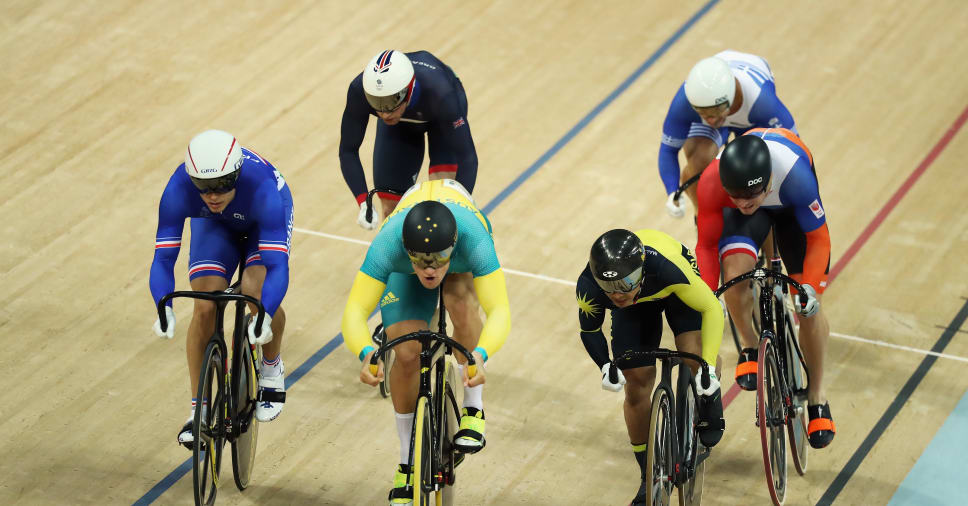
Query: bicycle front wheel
column 687, row 409
column 660, row 465
column 422, row 454
column 796, row 376
column 449, row 423
column 209, row 426
column 771, row 415
column 246, row 390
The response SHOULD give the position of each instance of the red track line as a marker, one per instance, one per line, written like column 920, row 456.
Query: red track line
column 881, row 215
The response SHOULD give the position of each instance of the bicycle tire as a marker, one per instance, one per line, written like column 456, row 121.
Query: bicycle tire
column 422, row 437
column 208, row 427
column 659, row 461
column 245, row 388
column 797, row 379
column 450, row 422
column 687, row 411
column 771, row 414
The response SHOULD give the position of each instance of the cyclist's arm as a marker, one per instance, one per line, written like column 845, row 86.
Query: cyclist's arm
column 455, row 132
column 800, row 188
column 362, row 301
column 273, row 245
column 171, row 219
column 709, row 222
column 675, row 129
column 769, row 111
column 493, row 295
column 591, row 316
column 699, row 297
column 352, row 130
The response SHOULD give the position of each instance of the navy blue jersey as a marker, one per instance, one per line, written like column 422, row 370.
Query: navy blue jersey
column 261, row 208
column 436, row 103
column 761, row 109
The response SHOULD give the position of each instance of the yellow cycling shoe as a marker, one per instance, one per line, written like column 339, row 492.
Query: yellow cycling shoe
column 402, row 492
column 470, row 437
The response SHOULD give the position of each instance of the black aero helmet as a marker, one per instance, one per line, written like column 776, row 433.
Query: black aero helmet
column 616, row 261
column 745, row 167
column 429, row 233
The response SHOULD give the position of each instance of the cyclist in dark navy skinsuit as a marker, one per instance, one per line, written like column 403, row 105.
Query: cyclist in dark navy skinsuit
column 240, row 209
column 414, row 94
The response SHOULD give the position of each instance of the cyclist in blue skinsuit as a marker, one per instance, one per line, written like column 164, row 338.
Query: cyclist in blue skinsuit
column 729, row 92
column 241, row 210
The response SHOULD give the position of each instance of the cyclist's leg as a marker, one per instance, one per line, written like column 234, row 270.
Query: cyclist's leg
column 638, row 328
column 397, row 155
column 686, row 324
column 738, row 246
column 212, row 259
column 814, row 331
column 461, row 303
column 699, row 152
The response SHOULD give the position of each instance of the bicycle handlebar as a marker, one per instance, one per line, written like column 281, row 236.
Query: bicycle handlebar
column 660, row 354
column 689, row 182
column 420, row 335
column 760, row 274
column 369, row 201
column 216, row 296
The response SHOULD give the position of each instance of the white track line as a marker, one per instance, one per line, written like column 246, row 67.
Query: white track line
column 572, row 284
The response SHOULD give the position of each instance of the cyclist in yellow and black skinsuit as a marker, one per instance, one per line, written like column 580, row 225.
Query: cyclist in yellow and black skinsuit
column 638, row 276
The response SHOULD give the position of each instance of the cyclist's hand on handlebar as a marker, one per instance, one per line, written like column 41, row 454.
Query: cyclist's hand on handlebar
column 478, row 378
column 675, row 208
column 363, row 222
column 806, row 301
column 170, row 331
column 607, row 382
column 367, row 376
column 713, row 383
column 265, row 335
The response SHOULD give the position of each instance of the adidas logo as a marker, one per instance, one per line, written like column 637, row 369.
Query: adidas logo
column 389, row 298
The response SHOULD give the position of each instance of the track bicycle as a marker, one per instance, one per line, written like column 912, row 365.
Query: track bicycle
column 433, row 454
column 676, row 457
column 782, row 377
column 232, row 395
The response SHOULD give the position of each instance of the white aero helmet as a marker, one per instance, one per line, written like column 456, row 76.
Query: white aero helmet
column 388, row 80
column 710, row 83
column 213, row 160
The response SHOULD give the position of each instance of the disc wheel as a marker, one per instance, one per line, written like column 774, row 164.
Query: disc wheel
column 246, row 390
column 208, row 427
column 772, row 421
column 422, row 454
column 690, row 490
column 659, row 461
column 797, row 421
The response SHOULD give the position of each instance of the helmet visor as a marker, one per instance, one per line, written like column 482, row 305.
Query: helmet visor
column 748, row 192
column 435, row 260
column 391, row 101
column 612, row 283
column 222, row 184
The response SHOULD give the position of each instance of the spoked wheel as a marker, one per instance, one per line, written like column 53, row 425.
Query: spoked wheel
column 690, row 490
column 209, row 427
column 797, row 421
column 246, row 389
column 449, row 423
column 659, row 462
column 422, row 454
column 771, row 414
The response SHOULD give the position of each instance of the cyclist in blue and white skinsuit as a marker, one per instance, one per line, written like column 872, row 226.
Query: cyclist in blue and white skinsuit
column 240, row 209
column 729, row 92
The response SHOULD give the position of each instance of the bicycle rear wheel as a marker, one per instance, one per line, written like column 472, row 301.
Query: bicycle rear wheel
column 422, row 454
column 660, row 462
column 209, row 426
column 687, row 409
column 245, row 387
column 772, row 421
column 796, row 376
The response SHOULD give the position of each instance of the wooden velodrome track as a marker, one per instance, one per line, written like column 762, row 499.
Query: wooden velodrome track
column 100, row 98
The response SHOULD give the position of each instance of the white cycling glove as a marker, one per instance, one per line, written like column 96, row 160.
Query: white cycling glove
column 607, row 384
column 170, row 332
column 806, row 301
column 265, row 336
column 676, row 209
column 713, row 384
column 361, row 219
